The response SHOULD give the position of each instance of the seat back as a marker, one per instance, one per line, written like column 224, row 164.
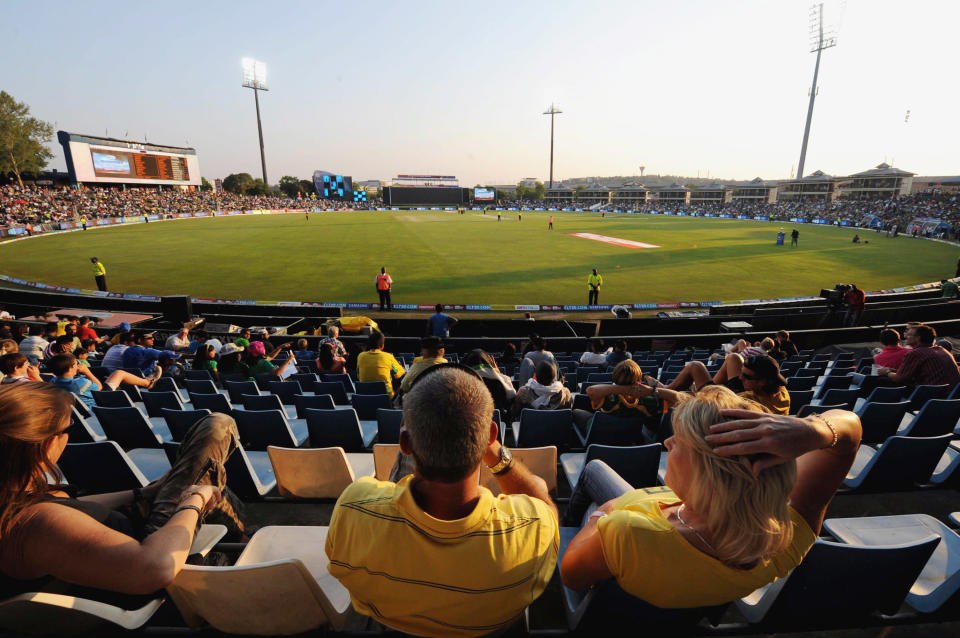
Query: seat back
column 311, row 472
column 637, row 465
column 835, row 383
column 808, row 372
column 155, row 402
column 285, row 390
column 389, row 423
column 541, row 428
column 343, row 379
column 305, row 379
column 837, row 396
column 80, row 430
column 335, row 428
column 903, row 461
column 98, row 468
column 846, row 582
column 799, row 398
column 801, row 382
column 384, row 456
column 236, row 389
column 334, row 389
column 49, row 614
column 179, row 422
column 200, row 386
column 366, row 405
column 601, row 377
column 886, row 394
column 607, row 429
column 112, row 399
column 541, row 461
column 198, row 375
column 127, row 426
column 214, row 402
column 280, row 597
column 936, row 417
column 881, row 420
column 263, row 379
column 370, row 387
column 923, row 393
column 261, row 402
column 259, row 429
column 314, row 401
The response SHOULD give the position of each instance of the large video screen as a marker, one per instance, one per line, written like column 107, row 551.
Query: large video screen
column 424, row 196
column 333, row 186
column 484, row 194
column 113, row 163
column 97, row 159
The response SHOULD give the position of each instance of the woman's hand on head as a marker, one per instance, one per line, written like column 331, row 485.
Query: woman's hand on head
column 771, row 438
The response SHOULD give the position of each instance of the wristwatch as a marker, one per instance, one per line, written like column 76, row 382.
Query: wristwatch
column 505, row 463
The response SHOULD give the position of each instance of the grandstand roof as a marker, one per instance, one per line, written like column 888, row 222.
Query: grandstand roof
column 884, row 170
column 756, row 182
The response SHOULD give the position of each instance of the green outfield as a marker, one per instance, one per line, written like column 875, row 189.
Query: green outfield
column 445, row 257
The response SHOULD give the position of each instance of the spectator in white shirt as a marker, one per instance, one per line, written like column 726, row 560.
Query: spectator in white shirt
column 179, row 341
column 34, row 345
column 596, row 356
column 113, row 360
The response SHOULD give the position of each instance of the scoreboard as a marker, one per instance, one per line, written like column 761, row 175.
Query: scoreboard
column 333, row 185
column 100, row 159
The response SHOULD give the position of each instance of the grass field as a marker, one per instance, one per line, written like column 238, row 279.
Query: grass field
column 445, row 257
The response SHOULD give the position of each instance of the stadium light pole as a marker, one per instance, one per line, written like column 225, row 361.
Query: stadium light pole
column 552, row 111
column 255, row 77
column 819, row 40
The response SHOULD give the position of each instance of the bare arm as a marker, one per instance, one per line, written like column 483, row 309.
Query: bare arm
column 73, row 547
column 583, row 562
column 85, row 371
column 773, row 439
column 518, row 480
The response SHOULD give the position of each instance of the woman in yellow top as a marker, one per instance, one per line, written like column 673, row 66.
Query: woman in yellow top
column 745, row 496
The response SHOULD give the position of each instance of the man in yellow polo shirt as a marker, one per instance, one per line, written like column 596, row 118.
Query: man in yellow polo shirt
column 99, row 273
column 594, row 282
column 437, row 554
column 376, row 365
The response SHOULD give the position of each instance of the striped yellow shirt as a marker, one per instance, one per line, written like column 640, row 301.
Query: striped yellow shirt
column 432, row 577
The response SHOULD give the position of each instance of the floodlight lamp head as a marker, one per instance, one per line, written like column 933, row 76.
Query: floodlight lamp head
column 553, row 110
column 254, row 74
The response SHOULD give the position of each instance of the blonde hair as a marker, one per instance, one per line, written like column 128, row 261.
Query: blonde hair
column 747, row 516
column 627, row 372
column 767, row 344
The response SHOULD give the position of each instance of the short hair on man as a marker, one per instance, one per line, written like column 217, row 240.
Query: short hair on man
column 620, row 345
column 11, row 361
column 431, row 345
column 60, row 364
column 333, row 332
column 447, row 415
column 127, row 337
column 596, row 345
column 438, row 307
column 925, row 334
column 375, row 340
column 783, row 334
column 889, row 337
column 545, row 374
column 302, row 344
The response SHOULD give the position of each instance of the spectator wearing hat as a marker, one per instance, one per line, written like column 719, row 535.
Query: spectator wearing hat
column 260, row 362
column 229, row 361
column 123, row 327
column 169, row 365
column 431, row 354
column 760, row 381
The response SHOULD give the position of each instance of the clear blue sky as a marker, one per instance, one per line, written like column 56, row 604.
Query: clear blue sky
column 373, row 89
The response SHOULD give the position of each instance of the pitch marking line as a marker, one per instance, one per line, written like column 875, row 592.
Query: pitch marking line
column 626, row 243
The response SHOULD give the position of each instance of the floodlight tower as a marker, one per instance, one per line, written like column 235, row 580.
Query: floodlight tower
column 255, row 77
column 552, row 111
column 819, row 40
